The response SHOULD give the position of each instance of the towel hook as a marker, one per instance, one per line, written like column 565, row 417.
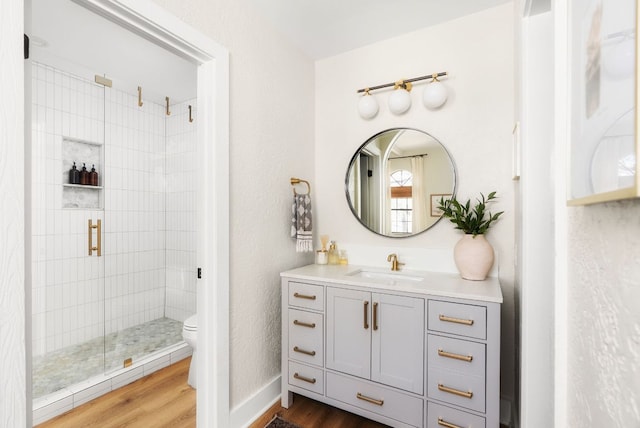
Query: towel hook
column 295, row 181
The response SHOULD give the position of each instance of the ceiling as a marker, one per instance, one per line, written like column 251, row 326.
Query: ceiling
column 328, row 27
column 85, row 44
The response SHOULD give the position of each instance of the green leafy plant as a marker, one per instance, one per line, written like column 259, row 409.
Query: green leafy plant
column 472, row 220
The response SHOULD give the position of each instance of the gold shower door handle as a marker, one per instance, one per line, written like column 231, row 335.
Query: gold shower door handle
column 98, row 228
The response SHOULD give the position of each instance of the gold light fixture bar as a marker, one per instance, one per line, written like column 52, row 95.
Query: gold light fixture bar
column 403, row 82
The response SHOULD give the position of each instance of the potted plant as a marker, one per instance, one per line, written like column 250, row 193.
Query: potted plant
column 473, row 254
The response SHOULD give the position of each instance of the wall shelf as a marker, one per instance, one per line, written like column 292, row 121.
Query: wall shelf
column 83, row 186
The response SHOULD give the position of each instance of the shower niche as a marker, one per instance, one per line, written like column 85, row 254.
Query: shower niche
column 83, row 153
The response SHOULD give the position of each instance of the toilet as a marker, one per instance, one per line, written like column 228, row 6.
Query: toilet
column 190, row 335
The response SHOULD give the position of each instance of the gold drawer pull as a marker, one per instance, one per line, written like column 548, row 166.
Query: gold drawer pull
column 369, row 399
column 305, row 379
column 304, row 296
column 454, row 391
column 302, row 351
column 304, row 324
column 467, row 358
column 366, row 312
column 375, row 316
column 446, row 424
column 455, row 320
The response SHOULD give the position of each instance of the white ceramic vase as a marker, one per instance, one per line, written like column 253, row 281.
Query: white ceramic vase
column 474, row 257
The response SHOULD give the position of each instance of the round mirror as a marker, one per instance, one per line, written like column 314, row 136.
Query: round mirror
column 395, row 180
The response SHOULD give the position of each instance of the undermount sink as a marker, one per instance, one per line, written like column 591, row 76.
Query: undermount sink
column 385, row 277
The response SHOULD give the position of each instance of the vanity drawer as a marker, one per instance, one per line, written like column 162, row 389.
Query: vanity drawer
column 462, row 356
column 306, row 296
column 456, row 388
column 458, row 318
column 306, row 339
column 376, row 399
column 305, row 377
column 442, row 416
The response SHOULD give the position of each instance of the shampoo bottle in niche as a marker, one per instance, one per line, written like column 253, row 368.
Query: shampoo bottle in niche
column 84, row 175
column 333, row 253
column 74, row 175
column 93, row 176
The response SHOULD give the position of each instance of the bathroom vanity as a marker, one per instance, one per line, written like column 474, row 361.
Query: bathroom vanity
column 407, row 349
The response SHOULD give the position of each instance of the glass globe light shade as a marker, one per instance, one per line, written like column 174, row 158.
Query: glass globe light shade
column 367, row 106
column 399, row 101
column 434, row 95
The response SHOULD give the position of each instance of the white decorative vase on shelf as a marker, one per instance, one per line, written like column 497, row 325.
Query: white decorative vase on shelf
column 474, row 257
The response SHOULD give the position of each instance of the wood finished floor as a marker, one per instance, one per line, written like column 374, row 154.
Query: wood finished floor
column 308, row 413
column 163, row 399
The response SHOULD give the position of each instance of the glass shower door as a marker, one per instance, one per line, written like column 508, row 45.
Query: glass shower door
column 150, row 264
column 67, row 222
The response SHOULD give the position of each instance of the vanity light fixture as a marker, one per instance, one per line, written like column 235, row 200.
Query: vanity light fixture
column 433, row 97
column 400, row 99
column 434, row 94
column 367, row 106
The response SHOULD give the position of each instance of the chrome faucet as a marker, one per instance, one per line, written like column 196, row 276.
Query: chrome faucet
column 395, row 264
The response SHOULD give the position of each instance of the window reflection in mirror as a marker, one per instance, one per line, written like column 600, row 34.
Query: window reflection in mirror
column 394, row 179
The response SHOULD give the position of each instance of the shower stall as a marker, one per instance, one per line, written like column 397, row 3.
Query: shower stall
column 113, row 260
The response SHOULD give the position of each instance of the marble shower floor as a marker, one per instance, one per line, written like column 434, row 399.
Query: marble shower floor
column 67, row 366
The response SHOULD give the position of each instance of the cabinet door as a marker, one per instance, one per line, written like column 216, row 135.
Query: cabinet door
column 349, row 331
column 397, row 342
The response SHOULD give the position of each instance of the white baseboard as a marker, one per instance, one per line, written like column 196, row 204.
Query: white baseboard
column 252, row 408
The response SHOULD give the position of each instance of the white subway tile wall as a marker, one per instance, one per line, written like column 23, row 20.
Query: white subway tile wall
column 181, row 176
column 147, row 207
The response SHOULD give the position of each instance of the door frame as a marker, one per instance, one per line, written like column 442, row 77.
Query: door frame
column 150, row 21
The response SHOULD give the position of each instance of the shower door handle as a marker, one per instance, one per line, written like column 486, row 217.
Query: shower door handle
column 98, row 228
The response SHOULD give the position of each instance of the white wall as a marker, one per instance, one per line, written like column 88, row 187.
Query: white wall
column 535, row 231
column 271, row 140
column 603, row 317
column 12, row 222
column 474, row 125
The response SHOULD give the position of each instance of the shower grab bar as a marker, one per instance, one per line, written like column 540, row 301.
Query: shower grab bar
column 98, row 228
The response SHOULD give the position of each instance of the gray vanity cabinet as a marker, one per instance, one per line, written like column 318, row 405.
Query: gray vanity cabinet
column 406, row 356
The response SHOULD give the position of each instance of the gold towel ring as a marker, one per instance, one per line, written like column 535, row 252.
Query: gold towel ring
column 295, row 181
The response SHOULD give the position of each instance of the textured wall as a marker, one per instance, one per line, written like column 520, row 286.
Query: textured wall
column 474, row 125
column 604, row 315
column 271, row 140
column 12, row 308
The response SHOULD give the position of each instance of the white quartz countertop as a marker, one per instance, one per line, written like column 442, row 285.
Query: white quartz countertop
column 410, row 281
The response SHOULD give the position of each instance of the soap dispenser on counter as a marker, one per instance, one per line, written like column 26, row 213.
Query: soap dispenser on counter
column 333, row 253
